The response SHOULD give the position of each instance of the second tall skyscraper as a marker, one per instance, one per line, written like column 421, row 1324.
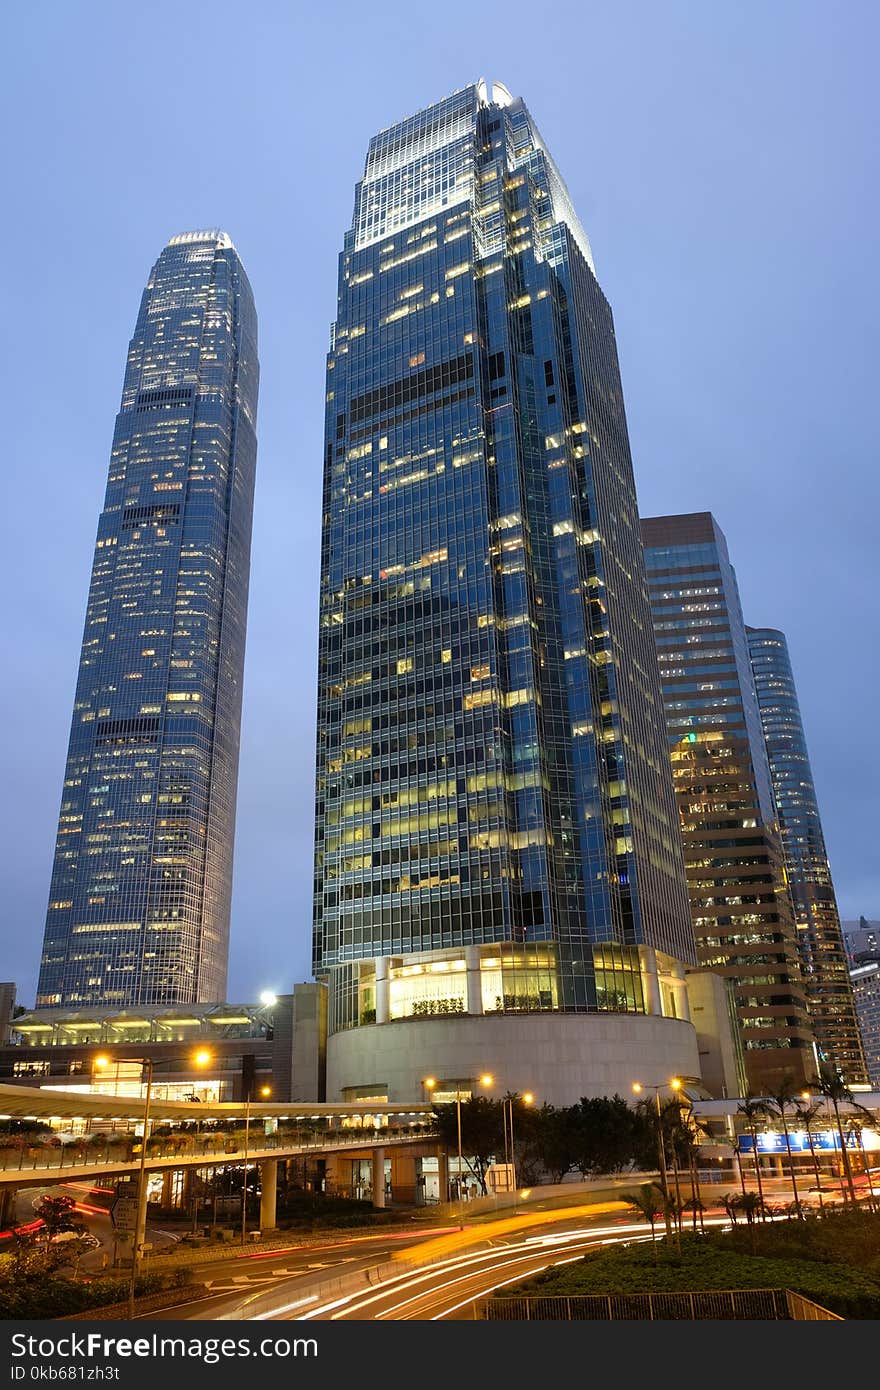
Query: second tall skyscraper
column 142, row 879
column 497, row 833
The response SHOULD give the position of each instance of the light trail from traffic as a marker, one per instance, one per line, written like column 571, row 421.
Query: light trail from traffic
column 442, row 1285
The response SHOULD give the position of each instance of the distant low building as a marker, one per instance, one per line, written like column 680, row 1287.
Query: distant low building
column 243, row 1049
column 862, row 940
column 7, row 1008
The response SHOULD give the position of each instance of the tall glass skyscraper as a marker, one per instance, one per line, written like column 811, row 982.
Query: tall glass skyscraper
column 142, row 879
column 820, row 940
column 496, row 827
column 741, row 908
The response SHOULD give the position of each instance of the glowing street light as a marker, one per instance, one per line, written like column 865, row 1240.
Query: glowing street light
column 430, row 1084
column 265, row 1092
column 200, row 1058
column 527, row 1098
column 674, row 1085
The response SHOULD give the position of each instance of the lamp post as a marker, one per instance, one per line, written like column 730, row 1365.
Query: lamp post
column 527, row 1099
column 265, row 1092
column 674, row 1085
column 430, row 1083
column 140, row 1223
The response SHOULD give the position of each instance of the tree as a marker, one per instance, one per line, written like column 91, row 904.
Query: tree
column 779, row 1102
column 830, row 1085
column 696, row 1206
column 854, row 1123
column 686, row 1135
column 752, row 1109
column 806, row 1114
column 751, row 1206
column 555, row 1141
column 58, row 1215
column 604, row 1134
column 482, row 1132
column 647, row 1200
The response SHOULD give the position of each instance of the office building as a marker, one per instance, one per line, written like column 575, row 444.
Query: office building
column 824, row 964
column 207, row 1052
column 862, row 940
column 865, row 980
column 7, row 1008
column 499, row 874
column 741, row 909
column 141, row 885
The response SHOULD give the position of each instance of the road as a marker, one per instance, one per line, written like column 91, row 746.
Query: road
column 91, row 1206
column 234, row 1280
column 286, row 1285
column 449, row 1289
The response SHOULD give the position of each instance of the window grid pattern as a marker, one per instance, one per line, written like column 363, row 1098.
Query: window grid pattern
column 822, row 950
column 487, row 771
column 141, row 882
column 740, row 903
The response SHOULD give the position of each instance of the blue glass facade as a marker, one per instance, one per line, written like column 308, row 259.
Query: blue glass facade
column 740, row 904
column 141, row 884
column 496, row 827
column 819, row 934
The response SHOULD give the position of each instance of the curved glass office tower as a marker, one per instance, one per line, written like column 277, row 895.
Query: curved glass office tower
column 739, row 897
column 497, row 834
column 142, row 879
column 819, row 935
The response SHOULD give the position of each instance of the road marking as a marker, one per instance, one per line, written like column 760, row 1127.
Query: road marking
column 235, row 1282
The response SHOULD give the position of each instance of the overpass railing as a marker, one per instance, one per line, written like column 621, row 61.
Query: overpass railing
column 211, row 1148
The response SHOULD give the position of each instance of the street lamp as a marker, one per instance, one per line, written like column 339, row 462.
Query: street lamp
column 430, row 1083
column 674, row 1085
column 265, row 1092
column 200, row 1058
column 507, row 1109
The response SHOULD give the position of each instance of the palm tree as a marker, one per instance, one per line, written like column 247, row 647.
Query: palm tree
column 647, row 1201
column 675, row 1140
column 697, row 1207
column 778, row 1103
column 830, row 1085
column 867, row 1120
column 752, row 1109
column 854, row 1123
column 752, row 1207
column 807, row 1114
column 685, row 1141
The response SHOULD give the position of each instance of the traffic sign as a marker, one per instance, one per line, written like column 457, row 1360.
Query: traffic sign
column 123, row 1213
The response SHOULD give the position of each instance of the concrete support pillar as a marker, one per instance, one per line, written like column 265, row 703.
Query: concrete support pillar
column 443, row 1177
column 382, row 989
column 650, row 980
column 268, row 1194
column 474, row 990
column 378, row 1161
column 682, row 1002
column 167, row 1187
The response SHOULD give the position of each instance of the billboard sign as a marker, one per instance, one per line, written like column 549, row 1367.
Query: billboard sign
column 769, row 1142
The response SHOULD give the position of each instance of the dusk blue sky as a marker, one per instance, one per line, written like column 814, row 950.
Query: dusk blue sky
column 723, row 161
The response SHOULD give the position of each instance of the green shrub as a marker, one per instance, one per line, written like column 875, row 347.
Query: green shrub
column 710, row 1263
column 51, row 1297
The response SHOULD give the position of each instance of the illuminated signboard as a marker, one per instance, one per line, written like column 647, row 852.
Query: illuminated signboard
column 771, row 1143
